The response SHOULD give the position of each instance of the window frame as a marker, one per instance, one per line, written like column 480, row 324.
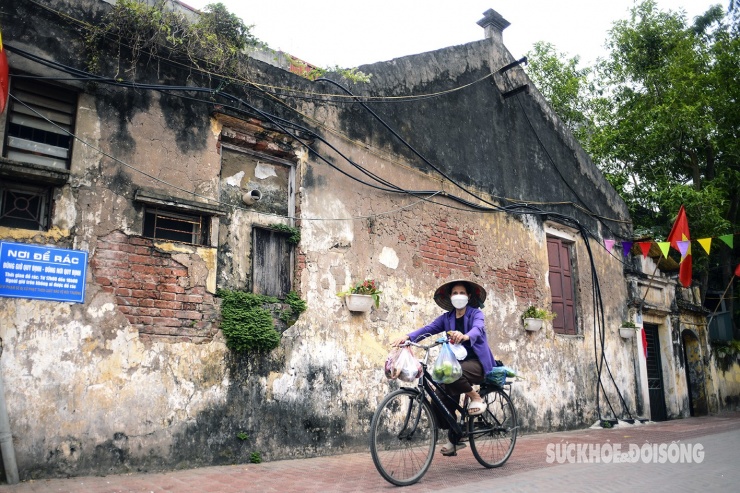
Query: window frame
column 182, row 209
column 199, row 235
column 288, row 268
column 19, row 118
column 44, row 193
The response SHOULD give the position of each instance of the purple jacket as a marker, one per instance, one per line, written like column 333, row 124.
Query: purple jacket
column 474, row 328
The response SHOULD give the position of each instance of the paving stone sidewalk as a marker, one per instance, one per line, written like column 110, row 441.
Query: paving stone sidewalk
column 527, row 470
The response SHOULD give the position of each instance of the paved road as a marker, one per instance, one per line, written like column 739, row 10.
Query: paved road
column 713, row 439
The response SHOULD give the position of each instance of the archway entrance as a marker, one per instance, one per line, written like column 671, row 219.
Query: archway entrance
column 694, row 367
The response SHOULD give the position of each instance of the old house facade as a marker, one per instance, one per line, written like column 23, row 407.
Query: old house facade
column 451, row 165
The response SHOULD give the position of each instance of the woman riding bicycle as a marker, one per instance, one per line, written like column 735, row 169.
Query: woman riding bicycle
column 464, row 323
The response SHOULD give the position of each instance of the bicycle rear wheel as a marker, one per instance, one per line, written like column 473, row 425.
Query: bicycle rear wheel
column 493, row 433
column 402, row 437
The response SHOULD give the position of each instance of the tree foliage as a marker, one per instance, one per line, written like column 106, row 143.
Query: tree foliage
column 563, row 84
column 662, row 116
column 143, row 31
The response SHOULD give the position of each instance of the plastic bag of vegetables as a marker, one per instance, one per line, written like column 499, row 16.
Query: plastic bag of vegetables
column 446, row 368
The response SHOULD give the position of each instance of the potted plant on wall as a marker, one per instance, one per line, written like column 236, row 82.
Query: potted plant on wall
column 628, row 329
column 534, row 317
column 362, row 296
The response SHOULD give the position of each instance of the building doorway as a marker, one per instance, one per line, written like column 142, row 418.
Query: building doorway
column 655, row 374
column 694, row 366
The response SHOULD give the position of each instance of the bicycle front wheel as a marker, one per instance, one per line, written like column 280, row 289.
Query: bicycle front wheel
column 402, row 437
column 493, row 433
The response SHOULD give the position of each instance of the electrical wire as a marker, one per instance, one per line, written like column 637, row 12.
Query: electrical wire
column 516, row 208
column 288, row 91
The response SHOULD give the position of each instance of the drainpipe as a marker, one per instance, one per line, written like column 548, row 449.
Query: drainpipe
column 6, row 439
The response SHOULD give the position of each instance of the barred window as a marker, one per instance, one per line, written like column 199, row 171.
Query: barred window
column 185, row 228
column 25, row 207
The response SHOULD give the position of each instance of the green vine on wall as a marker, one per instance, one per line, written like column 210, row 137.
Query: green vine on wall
column 294, row 234
column 311, row 72
column 212, row 43
column 248, row 326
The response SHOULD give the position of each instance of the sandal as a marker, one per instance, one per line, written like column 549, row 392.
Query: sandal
column 449, row 449
column 476, row 407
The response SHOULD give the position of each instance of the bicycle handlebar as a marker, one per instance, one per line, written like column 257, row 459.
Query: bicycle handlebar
column 422, row 346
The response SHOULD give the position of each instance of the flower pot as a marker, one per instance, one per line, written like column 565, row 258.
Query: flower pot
column 359, row 302
column 533, row 324
column 627, row 332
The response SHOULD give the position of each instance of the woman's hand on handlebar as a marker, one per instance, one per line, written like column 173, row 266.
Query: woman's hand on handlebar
column 457, row 337
column 400, row 341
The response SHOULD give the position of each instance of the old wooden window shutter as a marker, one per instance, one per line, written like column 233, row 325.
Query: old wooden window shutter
column 271, row 262
column 561, row 286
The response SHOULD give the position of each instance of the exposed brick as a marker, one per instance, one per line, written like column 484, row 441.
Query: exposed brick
column 123, row 274
column 167, row 322
column 171, row 288
column 173, row 305
column 123, row 292
column 133, row 240
column 188, row 315
column 143, row 293
column 123, row 301
column 142, row 259
column 146, row 269
column 103, row 281
column 190, row 298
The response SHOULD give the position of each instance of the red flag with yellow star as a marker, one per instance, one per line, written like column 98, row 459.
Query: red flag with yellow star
column 680, row 232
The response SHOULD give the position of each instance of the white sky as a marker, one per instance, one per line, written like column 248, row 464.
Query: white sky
column 350, row 33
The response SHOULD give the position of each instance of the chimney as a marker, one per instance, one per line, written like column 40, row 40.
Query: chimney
column 494, row 25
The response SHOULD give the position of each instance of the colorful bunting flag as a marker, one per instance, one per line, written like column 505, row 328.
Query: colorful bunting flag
column 664, row 247
column 680, row 233
column 706, row 243
column 644, row 342
column 683, row 247
column 737, row 270
column 645, row 247
column 626, row 247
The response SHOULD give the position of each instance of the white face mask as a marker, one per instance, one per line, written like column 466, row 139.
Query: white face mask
column 459, row 301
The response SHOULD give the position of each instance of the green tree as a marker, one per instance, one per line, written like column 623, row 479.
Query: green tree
column 563, row 84
column 663, row 120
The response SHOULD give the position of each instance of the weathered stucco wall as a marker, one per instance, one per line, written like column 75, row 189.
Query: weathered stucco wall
column 728, row 387
column 134, row 380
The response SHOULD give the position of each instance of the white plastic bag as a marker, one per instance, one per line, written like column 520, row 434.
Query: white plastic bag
column 460, row 352
column 402, row 364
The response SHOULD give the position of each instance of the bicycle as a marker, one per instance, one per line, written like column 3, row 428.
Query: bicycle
column 403, row 431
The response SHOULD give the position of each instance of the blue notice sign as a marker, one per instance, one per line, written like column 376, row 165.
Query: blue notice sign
column 42, row 273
